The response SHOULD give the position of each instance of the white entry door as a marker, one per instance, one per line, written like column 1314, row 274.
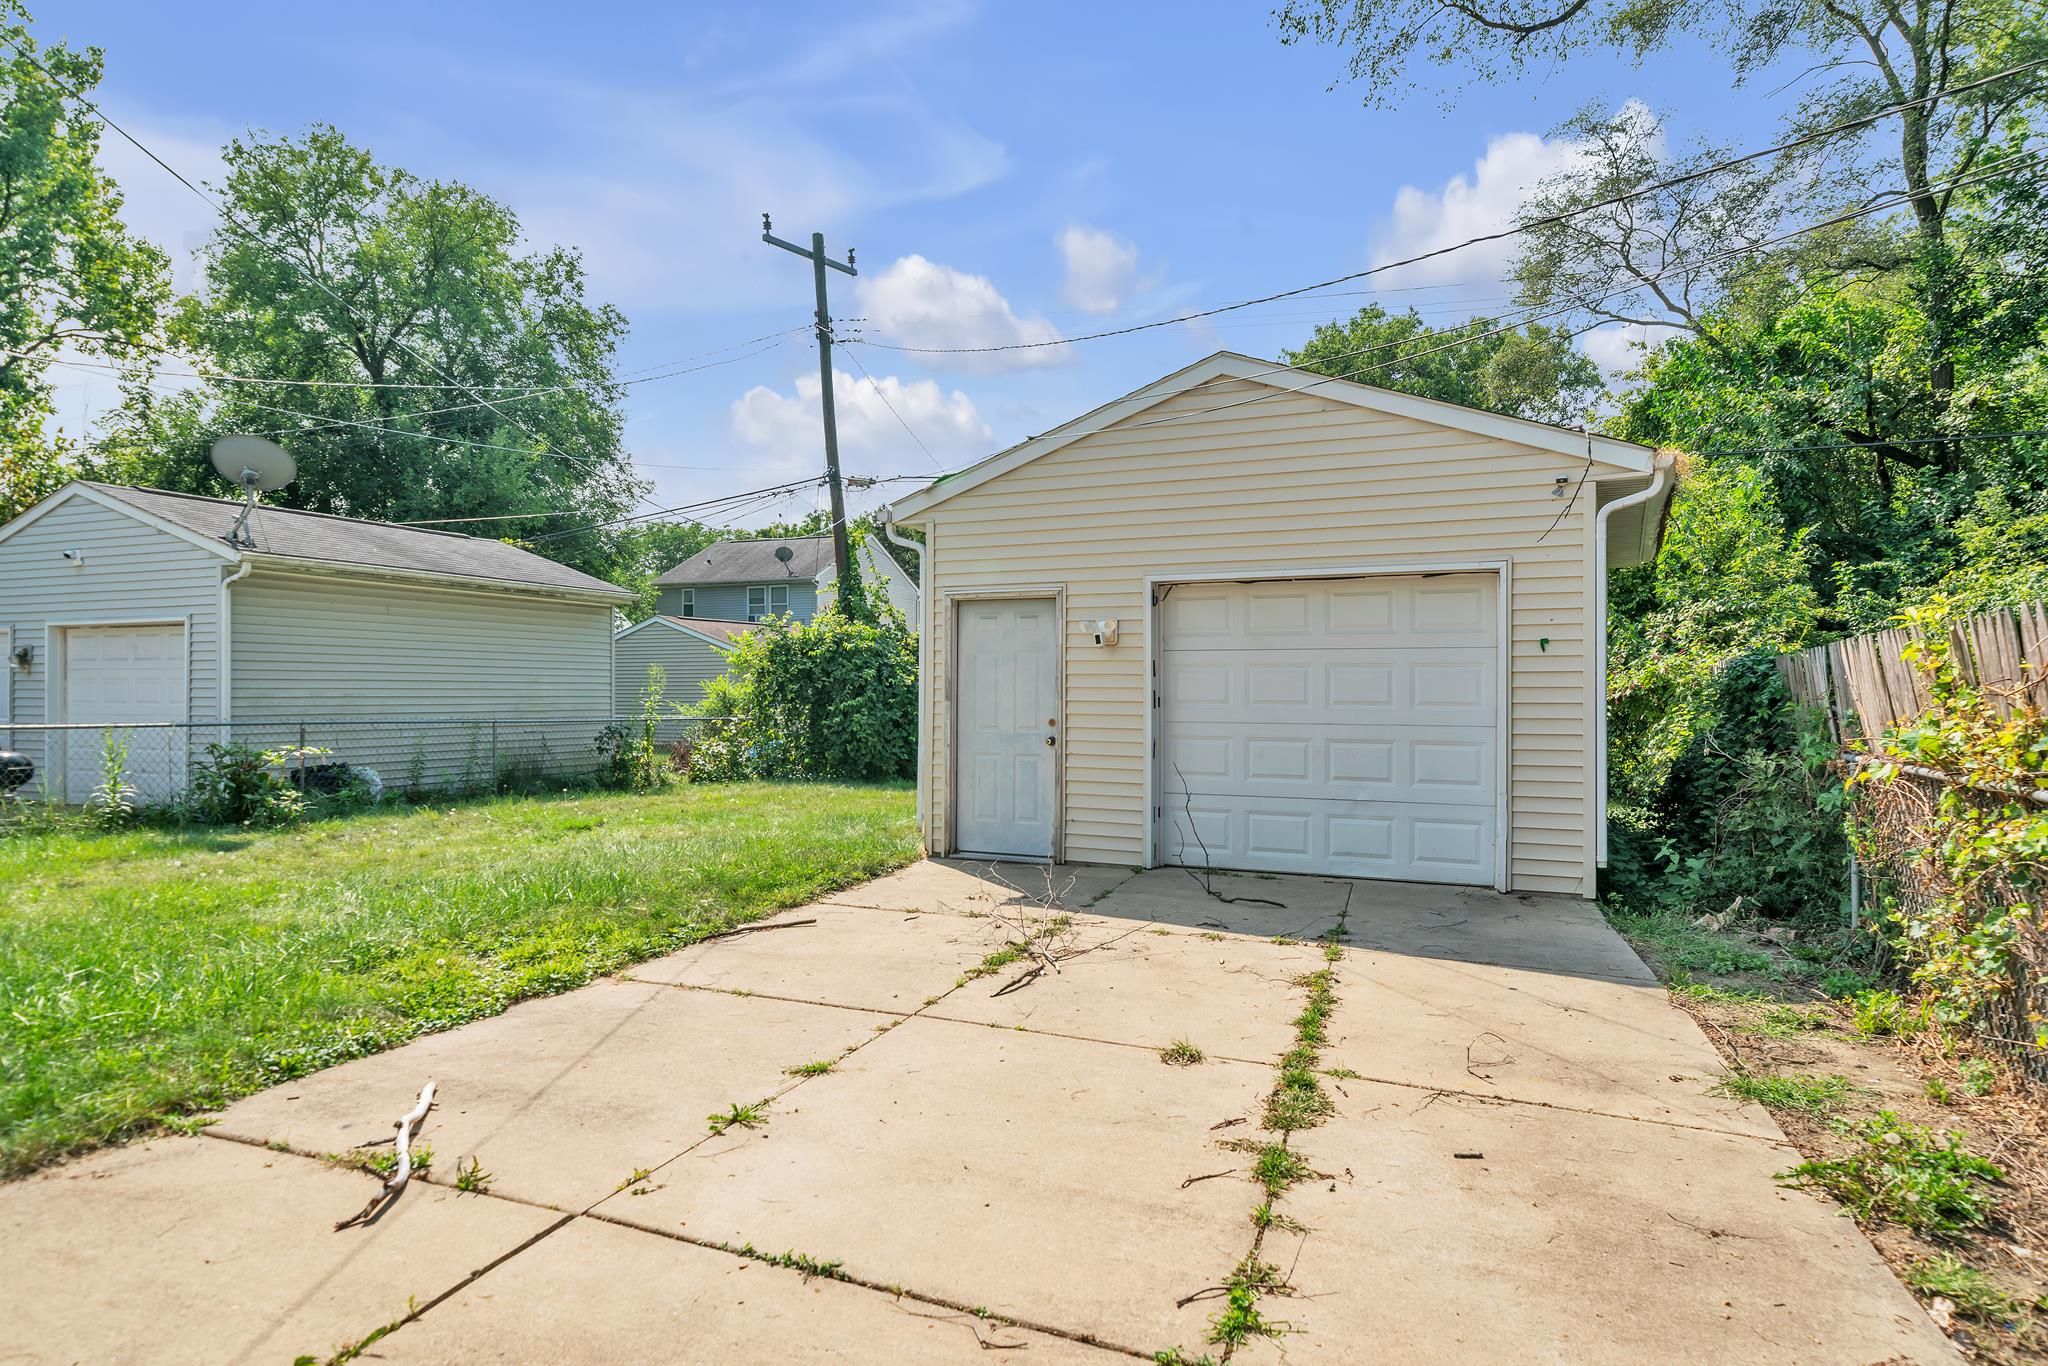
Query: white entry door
column 125, row 675
column 1006, row 711
column 1343, row 726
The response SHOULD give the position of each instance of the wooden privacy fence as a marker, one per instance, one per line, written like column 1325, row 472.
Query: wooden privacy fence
column 1866, row 686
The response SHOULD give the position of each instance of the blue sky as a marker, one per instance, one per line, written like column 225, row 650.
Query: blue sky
column 1007, row 172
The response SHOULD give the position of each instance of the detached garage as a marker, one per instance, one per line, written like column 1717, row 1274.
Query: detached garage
column 125, row 606
column 1253, row 617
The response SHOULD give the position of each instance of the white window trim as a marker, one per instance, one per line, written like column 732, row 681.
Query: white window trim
column 768, row 606
column 687, row 600
column 6, row 674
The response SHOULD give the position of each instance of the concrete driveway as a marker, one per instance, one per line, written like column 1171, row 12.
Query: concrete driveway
column 1524, row 1163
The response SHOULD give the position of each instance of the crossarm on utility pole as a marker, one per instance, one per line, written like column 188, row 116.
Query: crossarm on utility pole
column 819, row 262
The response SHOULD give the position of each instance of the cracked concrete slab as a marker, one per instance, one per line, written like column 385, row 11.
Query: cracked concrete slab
column 1557, row 934
column 1591, row 1043
column 1496, row 1232
column 563, row 1098
column 1233, row 903
column 963, row 887
column 598, row 1292
column 204, row 1251
column 1233, row 998
column 870, row 959
column 1040, row 1177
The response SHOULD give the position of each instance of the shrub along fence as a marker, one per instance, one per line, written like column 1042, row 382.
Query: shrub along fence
column 159, row 764
column 1942, row 731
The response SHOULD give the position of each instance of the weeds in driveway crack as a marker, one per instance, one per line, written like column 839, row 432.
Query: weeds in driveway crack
column 811, row 1069
column 1181, row 1053
column 472, row 1179
column 740, row 1117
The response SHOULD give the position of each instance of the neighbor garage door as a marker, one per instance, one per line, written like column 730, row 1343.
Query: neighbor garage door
column 131, row 675
column 1345, row 726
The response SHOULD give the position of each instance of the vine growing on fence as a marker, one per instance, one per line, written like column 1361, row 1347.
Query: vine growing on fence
column 1972, row 934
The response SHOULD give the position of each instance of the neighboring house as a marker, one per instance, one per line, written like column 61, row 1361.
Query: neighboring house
column 749, row 580
column 132, row 605
column 691, row 651
column 1253, row 617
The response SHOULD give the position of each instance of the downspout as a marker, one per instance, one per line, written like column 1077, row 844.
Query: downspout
column 227, row 675
column 923, row 631
column 1658, row 480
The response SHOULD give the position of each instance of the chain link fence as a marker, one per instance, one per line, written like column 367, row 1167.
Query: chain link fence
column 157, row 762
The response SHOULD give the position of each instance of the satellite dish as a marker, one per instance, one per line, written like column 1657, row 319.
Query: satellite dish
column 253, row 464
column 784, row 554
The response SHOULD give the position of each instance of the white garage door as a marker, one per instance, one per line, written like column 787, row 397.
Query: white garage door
column 128, row 675
column 1344, row 726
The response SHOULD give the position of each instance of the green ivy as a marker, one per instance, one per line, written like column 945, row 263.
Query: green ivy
column 1984, row 856
column 835, row 698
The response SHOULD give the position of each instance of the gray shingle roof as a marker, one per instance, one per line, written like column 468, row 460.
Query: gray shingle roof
column 351, row 541
column 727, row 631
column 753, row 561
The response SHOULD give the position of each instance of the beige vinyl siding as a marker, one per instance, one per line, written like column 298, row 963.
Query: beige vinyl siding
column 688, row 659
column 317, row 645
column 132, row 572
column 1291, row 482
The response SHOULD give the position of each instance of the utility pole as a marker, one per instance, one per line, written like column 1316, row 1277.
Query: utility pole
column 816, row 256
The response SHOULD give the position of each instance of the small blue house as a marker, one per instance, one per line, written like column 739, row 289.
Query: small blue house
column 774, row 576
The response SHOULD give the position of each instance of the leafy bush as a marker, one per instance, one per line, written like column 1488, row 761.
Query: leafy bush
column 1883, row 1013
column 238, row 784
column 1905, row 1174
column 833, row 699
column 1976, row 856
column 1748, row 811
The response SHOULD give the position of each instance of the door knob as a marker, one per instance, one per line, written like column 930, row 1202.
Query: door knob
column 1048, row 741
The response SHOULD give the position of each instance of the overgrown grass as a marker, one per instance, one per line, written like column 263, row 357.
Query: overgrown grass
column 1973, row 1292
column 151, row 973
column 1682, row 947
column 1904, row 1174
column 1818, row 1096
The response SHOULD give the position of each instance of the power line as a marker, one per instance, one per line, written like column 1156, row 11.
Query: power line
column 1896, row 198
column 777, row 491
column 892, row 410
column 1548, row 220
column 230, row 220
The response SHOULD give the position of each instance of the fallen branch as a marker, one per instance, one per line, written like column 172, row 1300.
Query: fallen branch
column 1210, row 1177
column 402, row 1174
column 756, row 929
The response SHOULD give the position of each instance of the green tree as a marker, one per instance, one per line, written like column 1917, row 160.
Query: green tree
column 70, row 273
column 1534, row 372
column 417, row 364
column 643, row 552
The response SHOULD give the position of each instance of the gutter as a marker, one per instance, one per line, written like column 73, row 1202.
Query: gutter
column 1658, row 480
column 924, row 561
column 225, row 705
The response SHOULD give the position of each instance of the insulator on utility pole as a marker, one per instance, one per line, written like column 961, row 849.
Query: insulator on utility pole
column 815, row 254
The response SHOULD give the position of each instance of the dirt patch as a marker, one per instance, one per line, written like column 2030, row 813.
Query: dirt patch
column 1812, row 1059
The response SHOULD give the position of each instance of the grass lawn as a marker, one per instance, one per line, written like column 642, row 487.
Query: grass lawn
column 150, row 974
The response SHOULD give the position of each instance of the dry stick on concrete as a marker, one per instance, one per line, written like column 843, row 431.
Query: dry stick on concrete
column 396, row 1183
column 1202, row 879
column 756, row 929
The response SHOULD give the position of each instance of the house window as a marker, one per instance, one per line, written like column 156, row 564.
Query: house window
column 689, row 602
column 767, row 600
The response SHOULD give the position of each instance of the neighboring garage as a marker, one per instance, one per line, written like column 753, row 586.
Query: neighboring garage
column 1253, row 617
column 126, row 606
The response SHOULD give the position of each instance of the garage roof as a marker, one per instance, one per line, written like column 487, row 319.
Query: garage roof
column 1611, row 457
column 287, row 533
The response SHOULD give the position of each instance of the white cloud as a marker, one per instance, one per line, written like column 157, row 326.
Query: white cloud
column 785, row 427
column 1471, row 206
column 1619, row 347
column 1100, row 268
column 921, row 303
